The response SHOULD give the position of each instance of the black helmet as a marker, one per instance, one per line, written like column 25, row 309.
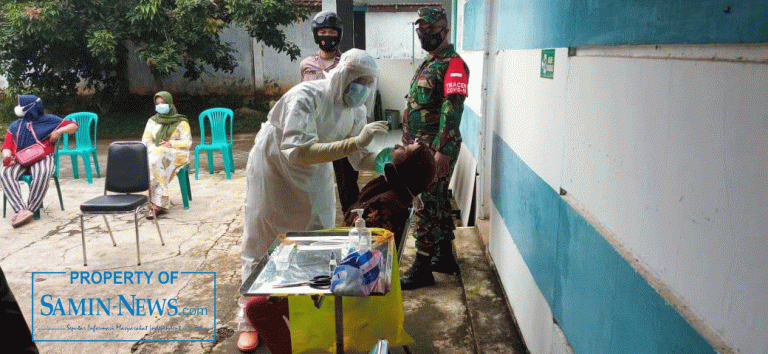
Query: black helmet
column 325, row 19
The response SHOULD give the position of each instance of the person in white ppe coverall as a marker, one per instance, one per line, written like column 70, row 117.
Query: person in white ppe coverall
column 289, row 172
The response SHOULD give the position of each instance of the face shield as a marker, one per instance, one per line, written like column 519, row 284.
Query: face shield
column 359, row 91
column 354, row 79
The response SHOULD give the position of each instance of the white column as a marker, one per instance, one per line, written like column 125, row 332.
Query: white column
column 329, row 5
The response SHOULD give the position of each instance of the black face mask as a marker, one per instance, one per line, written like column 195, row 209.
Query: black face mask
column 430, row 42
column 328, row 43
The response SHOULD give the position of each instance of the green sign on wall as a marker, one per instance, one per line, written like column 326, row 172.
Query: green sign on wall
column 547, row 63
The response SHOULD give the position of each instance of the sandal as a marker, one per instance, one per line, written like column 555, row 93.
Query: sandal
column 22, row 217
column 158, row 211
column 248, row 341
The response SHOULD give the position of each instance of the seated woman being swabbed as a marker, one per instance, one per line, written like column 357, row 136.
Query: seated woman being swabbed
column 386, row 199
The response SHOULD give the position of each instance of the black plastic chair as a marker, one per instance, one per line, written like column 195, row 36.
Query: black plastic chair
column 127, row 173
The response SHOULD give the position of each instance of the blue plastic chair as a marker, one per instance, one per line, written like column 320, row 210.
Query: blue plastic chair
column 220, row 123
column 85, row 144
column 28, row 179
column 186, row 190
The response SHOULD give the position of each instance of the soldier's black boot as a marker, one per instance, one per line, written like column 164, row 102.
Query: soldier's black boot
column 419, row 275
column 443, row 260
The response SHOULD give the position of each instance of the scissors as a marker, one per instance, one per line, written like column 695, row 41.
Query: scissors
column 318, row 282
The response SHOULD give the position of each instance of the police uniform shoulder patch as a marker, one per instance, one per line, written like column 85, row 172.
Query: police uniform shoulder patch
column 456, row 78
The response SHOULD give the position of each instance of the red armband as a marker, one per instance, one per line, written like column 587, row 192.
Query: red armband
column 456, row 78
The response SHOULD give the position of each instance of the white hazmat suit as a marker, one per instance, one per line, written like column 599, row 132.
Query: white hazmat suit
column 289, row 172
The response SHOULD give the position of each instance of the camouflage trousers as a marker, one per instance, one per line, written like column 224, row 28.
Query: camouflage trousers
column 435, row 220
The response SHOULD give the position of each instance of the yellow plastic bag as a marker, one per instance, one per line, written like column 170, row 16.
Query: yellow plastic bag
column 366, row 320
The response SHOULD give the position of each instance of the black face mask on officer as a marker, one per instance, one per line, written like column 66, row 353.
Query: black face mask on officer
column 430, row 41
column 328, row 43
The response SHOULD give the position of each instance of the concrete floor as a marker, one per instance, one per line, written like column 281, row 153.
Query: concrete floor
column 460, row 314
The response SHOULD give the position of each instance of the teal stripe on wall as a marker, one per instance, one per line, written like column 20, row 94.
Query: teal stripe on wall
column 601, row 303
column 470, row 131
column 474, row 25
column 528, row 24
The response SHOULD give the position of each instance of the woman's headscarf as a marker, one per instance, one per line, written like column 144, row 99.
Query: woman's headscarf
column 43, row 124
column 386, row 199
column 418, row 168
column 168, row 121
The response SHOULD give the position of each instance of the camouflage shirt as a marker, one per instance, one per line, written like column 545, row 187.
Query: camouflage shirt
column 435, row 102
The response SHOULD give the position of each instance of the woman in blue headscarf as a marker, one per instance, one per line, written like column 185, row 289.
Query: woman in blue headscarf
column 47, row 128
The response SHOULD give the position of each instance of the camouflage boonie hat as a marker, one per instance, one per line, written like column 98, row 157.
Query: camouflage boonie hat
column 431, row 14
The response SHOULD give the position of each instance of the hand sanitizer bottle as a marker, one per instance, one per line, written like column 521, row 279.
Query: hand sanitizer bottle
column 354, row 237
column 364, row 235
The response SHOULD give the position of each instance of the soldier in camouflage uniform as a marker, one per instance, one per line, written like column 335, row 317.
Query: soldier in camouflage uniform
column 433, row 113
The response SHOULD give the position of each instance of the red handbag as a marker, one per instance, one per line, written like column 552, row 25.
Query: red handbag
column 30, row 154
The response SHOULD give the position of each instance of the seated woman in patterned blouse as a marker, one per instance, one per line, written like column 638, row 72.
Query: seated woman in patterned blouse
column 168, row 138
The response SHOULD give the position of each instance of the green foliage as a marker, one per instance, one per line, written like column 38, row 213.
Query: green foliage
column 130, row 113
column 7, row 102
column 47, row 47
column 262, row 19
column 102, row 44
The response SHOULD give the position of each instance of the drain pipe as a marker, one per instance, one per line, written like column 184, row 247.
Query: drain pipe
column 413, row 42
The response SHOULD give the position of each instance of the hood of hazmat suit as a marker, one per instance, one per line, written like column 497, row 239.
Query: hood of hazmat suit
column 282, row 196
